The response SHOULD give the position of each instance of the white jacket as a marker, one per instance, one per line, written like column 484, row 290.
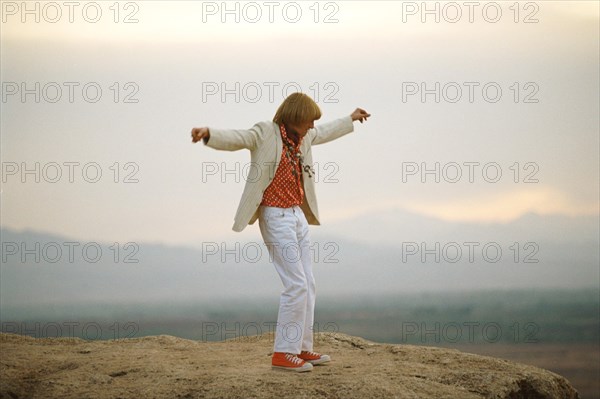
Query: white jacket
column 265, row 145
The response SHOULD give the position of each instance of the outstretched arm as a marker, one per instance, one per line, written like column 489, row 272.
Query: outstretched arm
column 335, row 129
column 228, row 139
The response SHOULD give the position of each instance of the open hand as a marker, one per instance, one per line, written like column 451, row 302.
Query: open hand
column 359, row 115
column 198, row 133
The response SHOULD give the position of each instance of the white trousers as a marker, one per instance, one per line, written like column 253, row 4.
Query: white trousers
column 285, row 233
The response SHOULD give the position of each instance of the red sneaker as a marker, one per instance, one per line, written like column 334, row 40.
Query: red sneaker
column 314, row 358
column 289, row 362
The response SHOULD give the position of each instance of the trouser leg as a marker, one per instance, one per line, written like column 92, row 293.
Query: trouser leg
column 285, row 232
column 306, row 260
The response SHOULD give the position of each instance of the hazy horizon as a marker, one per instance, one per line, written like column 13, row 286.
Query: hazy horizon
column 534, row 149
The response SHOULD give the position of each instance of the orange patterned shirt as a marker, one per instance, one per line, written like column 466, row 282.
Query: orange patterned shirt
column 286, row 188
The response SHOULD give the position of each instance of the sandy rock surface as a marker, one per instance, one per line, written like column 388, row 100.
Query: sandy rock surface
column 170, row 367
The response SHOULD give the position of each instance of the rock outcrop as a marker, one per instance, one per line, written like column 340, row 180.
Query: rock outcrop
column 170, row 367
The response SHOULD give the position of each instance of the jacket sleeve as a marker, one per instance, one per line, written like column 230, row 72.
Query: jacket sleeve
column 234, row 139
column 331, row 130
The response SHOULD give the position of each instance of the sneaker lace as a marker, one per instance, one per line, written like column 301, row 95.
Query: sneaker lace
column 293, row 358
column 312, row 354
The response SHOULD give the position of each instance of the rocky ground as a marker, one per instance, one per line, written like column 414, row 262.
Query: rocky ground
column 170, row 367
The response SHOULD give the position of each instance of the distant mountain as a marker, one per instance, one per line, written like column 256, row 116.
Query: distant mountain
column 392, row 226
column 405, row 253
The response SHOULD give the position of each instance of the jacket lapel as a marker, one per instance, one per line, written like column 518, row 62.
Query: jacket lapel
column 278, row 144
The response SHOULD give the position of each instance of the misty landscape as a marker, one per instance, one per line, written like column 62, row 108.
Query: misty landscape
column 506, row 309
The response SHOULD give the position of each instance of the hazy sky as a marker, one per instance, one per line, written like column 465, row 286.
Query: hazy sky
column 516, row 128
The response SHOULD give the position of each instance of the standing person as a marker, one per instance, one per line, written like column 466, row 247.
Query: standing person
column 280, row 193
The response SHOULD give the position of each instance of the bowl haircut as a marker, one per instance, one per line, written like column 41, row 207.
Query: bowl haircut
column 296, row 109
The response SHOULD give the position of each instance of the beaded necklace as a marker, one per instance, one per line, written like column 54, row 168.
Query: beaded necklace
column 295, row 156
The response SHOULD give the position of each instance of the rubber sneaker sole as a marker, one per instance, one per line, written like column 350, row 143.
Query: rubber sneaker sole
column 306, row 367
column 323, row 359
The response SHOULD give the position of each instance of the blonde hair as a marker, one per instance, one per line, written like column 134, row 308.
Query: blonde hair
column 297, row 108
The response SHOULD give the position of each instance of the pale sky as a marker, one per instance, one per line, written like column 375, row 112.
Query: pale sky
column 545, row 144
